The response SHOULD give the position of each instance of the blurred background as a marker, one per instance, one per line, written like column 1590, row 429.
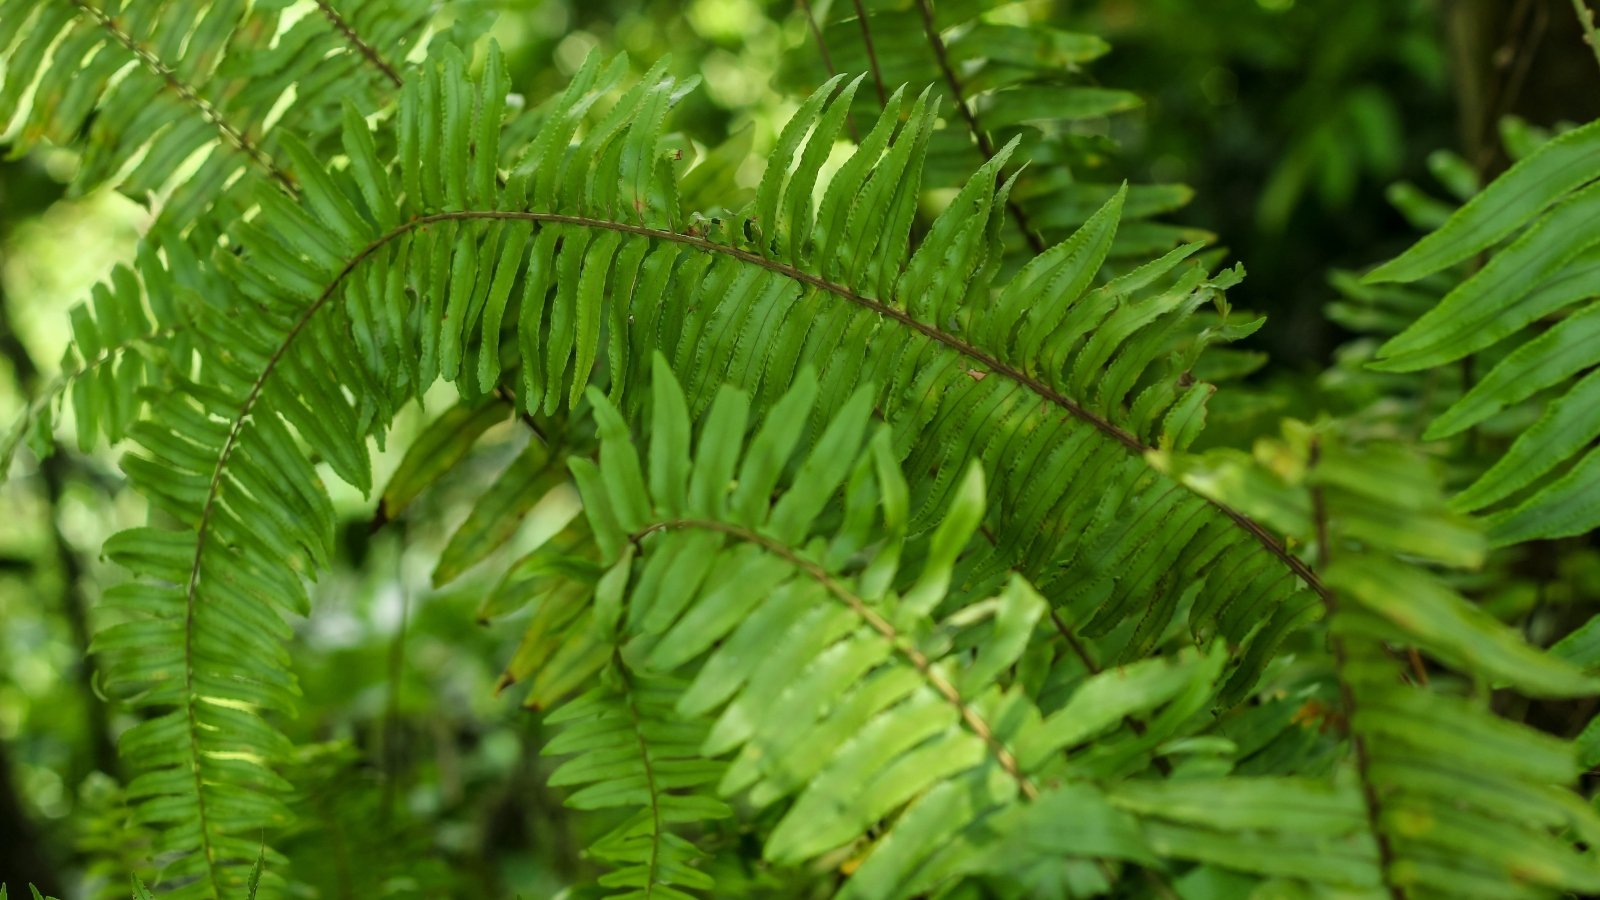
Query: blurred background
column 1290, row 119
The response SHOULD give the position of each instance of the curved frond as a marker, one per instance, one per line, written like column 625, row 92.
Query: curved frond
column 1047, row 377
column 843, row 688
column 569, row 272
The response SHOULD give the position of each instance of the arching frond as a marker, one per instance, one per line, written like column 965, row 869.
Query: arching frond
column 1046, row 377
column 391, row 274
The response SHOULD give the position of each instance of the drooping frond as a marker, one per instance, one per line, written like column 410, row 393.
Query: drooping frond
column 1461, row 803
column 158, row 85
column 847, row 684
column 998, row 78
column 1529, row 312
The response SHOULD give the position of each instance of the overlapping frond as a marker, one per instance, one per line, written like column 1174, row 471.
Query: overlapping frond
column 187, row 100
column 426, row 259
column 844, row 688
column 1000, row 74
column 385, row 278
column 1528, row 315
column 1459, row 802
column 1047, row 378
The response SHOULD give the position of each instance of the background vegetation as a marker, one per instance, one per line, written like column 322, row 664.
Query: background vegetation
column 1313, row 137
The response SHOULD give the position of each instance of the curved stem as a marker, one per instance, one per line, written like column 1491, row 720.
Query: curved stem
column 1036, row 386
column 876, row 622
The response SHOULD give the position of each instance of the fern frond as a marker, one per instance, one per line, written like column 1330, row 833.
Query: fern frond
column 1057, row 386
column 118, row 71
column 1461, row 803
column 1538, row 219
column 784, row 282
column 1000, row 79
column 630, row 751
column 166, row 84
column 843, row 688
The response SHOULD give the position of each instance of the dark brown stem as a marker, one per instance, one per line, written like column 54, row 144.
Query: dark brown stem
column 508, row 396
column 827, row 59
column 986, row 146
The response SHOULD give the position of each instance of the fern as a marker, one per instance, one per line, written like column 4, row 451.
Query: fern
column 1460, row 803
column 746, row 327
column 131, row 76
column 1002, row 74
column 834, row 688
column 819, row 614
column 1060, row 378
column 632, row 752
column 1524, row 309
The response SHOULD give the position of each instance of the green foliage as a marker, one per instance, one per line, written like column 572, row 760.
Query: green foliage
column 1000, row 77
column 897, row 572
column 1523, row 310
